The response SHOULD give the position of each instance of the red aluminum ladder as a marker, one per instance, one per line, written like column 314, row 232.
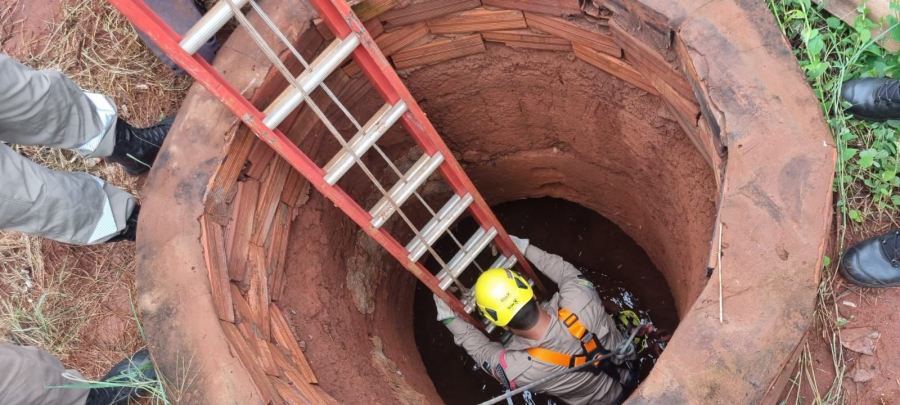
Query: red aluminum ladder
column 352, row 40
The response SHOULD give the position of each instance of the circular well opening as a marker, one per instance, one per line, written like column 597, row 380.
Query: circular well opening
column 524, row 125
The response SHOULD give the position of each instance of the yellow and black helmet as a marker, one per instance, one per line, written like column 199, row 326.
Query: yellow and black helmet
column 500, row 294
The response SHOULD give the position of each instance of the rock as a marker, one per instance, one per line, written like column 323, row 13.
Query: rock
column 474, row 156
column 860, row 340
column 865, row 369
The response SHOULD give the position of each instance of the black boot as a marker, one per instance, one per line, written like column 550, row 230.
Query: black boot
column 130, row 231
column 874, row 262
column 136, row 148
column 873, row 98
column 136, row 369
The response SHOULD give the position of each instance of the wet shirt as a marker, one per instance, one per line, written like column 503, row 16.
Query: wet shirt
column 576, row 294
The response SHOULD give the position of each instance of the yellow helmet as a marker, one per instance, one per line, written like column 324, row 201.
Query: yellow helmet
column 500, row 294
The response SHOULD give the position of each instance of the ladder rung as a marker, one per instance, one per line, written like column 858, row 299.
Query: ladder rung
column 437, row 226
column 209, row 25
column 330, row 59
column 489, row 326
column 383, row 120
column 504, row 262
column 424, row 167
column 469, row 305
column 465, row 257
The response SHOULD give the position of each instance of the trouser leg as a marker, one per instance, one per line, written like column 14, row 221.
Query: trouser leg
column 27, row 373
column 45, row 108
column 68, row 207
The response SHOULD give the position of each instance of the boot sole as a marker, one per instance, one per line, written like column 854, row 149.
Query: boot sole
column 135, row 172
column 867, row 285
column 863, row 117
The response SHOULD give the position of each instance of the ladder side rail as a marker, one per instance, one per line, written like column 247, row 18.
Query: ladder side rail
column 146, row 20
column 386, row 97
column 167, row 39
column 261, row 43
column 339, row 17
column 373, row 64
column 347, row 113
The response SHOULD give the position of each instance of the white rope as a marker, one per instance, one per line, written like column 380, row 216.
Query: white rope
column 721, row 309
column 270, row 54
column 352, row 119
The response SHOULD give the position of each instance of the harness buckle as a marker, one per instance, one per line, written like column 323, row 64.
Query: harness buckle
column 572, row 317
column 587, row 338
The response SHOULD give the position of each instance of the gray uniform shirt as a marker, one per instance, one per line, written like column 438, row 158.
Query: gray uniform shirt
column 575, row 294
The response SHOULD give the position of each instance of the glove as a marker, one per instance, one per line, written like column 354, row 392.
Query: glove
column 522, row 244
column 445, row 314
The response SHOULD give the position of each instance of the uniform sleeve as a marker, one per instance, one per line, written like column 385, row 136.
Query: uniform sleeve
column 553, row 266
column 487, row 354
column 482, row 349
column 575, row 290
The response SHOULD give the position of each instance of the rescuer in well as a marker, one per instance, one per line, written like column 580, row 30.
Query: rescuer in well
column 571, row 330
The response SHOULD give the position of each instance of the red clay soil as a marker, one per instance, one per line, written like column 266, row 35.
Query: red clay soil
column 105, row 273
column 775, row 212
column 27, row 24
column 878, row 376
column 876, row 309
column 536, row 124
column 868, row 379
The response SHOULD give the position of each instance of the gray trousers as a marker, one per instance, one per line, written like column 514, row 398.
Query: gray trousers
column 27, row 373
column 46, row 108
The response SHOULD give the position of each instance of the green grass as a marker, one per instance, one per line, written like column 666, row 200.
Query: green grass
column 831, row 52
column 152, row 390
column 156, row 391
column 39, row 314
column 866, row 184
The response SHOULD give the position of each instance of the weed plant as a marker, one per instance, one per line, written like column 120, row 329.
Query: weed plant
column 831, row 52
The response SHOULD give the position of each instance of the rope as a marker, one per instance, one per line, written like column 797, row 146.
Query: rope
column 350, row 116
column 270, row 54
column 624, row 349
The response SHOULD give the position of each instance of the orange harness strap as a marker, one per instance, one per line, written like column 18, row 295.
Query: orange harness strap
column 549, row 356
column 577, row 329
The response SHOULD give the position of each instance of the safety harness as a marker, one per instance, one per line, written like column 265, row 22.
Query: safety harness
column 591, row 348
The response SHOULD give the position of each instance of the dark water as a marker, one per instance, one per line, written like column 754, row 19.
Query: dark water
column 623, row 275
